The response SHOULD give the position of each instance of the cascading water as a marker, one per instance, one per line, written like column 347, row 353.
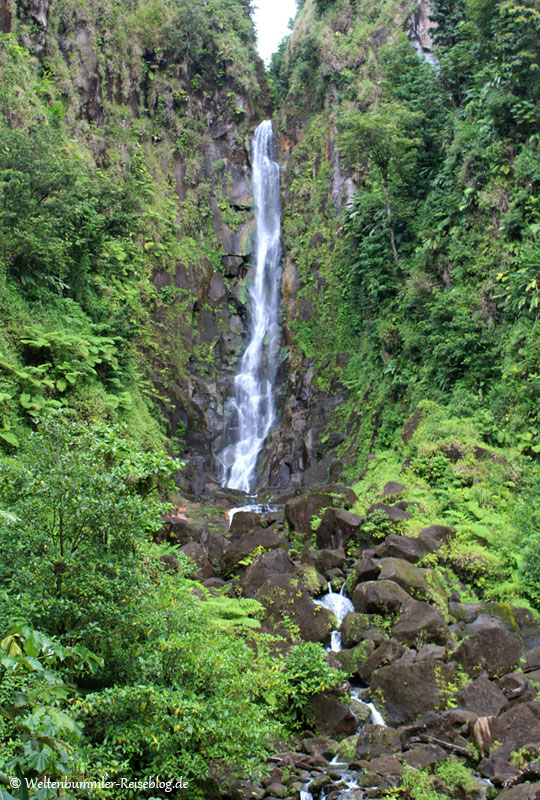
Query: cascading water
column 340, row 605
column 250, row 412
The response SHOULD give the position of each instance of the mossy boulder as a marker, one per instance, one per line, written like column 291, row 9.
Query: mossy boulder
column 408, row 690
column 331, row 716
column 287, row 603
column 353, row 659
column 354, row 626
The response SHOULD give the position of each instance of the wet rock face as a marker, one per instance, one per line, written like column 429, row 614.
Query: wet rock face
column 36, row 12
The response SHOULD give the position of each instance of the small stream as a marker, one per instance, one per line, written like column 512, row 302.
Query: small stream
column 341, row 604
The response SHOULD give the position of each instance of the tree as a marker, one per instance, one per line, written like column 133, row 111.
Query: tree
column 383, row 139
column 86, row 499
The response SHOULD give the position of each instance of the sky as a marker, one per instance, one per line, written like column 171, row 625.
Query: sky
column 271, row 18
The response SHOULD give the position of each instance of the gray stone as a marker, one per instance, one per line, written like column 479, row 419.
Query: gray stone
column 286, row 600
column 300, row 510
column 337, row 528
column 380, row 597
column 407, row 547
column 331, row 717
column 494, row 650
column 420, row 622
column 265, row 566
column 392, row 513
column 483, row 697
column 409, row 690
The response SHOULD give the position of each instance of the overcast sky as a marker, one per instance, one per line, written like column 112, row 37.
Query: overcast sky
column 271, row 18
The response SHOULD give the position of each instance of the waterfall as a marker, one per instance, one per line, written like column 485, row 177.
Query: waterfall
column 250, row 412
column 340, row 605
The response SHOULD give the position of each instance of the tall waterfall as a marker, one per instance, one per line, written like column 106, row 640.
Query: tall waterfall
column 250, row 411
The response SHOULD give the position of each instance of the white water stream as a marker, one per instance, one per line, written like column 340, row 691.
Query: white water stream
column 340, row 605
column 250, row 412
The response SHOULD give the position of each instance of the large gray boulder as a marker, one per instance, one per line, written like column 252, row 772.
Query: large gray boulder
column 483, row 697
column 337, row 528
column 409, row 690
column 380, row 597
column 267, row 565
column 300, row 510
column 243, row 545
column 492, row 649
column 287, row 602
column 515, row 728
column 420, row 622
column 407, row 547
column 413, row 579
column 331, row 716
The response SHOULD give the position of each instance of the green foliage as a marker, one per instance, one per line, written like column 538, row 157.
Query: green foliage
column 85, row 500
column 307, row 673
column 38, row 733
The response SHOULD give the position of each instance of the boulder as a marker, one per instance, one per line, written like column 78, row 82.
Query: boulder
column 243, row 545
column 433, row 652
column 420, row 622
column 392, row 513
column 421, row 756
column 437, row 533
column 413, row 579
column 377, row 740
column 386, row 653
column 515, row 685
column 352, row 660
column 497, row 770
column 286, row 600
column 408, row 547
column 215, row 545
column 265, row 566
column 179, row 530
column 367, row 569
column 330, row 716
column 337, row 528
column 380, row 597
column 246, row 521
column 385, row 765
column 299, row 511
column 324, row 560
column 493, row 649
column 409, row 690
column 525, row 791
column 245, row 790
column 276, row 790
column 169, row 562
column 347, row 496
column 512, row 618
column 517, row 727
column 195, row 551
column 354, row 627
column 483, row 697
column 320, row 745
column 393, row 489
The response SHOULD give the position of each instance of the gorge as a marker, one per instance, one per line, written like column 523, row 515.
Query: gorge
column 269, row 401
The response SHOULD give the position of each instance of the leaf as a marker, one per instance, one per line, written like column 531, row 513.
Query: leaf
column 10, row 438
column 39, row 761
